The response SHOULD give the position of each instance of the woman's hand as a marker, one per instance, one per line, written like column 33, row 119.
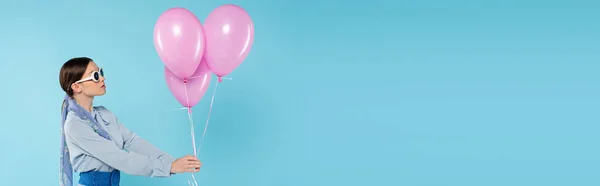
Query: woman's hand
column 186, row 164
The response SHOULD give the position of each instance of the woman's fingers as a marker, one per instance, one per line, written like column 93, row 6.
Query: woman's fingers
column 195, row 163
column 192, row 164
column 191, row 158
column 192, row 168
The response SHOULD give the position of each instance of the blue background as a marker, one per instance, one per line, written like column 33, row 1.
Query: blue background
column 382, row 92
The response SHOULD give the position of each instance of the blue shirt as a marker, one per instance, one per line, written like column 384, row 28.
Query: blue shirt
column 126, row 151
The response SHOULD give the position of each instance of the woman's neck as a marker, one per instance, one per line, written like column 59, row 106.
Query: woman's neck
column 84, row 101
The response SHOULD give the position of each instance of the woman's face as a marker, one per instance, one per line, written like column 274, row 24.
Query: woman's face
column 92, row 81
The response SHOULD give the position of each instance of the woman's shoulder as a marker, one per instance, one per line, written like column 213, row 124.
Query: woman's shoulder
column 74, row 123
column 73, row 120
column 72, row 117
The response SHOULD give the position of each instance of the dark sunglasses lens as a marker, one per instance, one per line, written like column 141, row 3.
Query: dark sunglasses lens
column 96, row 76
column 102, row 72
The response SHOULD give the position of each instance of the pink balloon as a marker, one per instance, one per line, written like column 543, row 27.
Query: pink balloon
column 195, row 86
column 229, row 37
column 179, row 41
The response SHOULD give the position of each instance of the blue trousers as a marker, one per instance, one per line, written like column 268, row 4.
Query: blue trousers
column 95, row 178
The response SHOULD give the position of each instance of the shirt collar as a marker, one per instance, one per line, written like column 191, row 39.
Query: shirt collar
column 98, row 116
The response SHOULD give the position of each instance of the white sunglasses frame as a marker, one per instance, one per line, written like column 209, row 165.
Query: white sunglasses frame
column 91, row 77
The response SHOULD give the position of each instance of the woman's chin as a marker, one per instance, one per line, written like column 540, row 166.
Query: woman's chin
column 101, row 93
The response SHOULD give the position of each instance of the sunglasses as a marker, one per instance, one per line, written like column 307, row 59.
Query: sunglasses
column 95, row 76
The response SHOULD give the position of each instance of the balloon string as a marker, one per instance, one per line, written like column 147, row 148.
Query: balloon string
column 208, row 117
column 193, row 184
column 192, row 123
column 190, row 118
column 192, row 130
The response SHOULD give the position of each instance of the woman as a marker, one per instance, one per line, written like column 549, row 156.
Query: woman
column 96, row 144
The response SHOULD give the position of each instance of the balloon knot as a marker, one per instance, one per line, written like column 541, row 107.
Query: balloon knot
column 220, row 79
column 189, row 109
column 185, row 80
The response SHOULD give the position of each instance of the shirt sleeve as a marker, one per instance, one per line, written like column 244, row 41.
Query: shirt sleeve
column 134, row 143
column 83, row 136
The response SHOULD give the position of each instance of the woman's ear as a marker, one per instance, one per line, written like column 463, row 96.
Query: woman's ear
column 76, row 88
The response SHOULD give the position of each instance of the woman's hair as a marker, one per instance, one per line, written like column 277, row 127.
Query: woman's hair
column 71, row 72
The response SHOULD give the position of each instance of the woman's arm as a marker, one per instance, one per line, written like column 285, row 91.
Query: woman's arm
column 80, row 134
column 134, row 143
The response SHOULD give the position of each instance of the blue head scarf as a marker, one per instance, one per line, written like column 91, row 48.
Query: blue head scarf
column 69, row 105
